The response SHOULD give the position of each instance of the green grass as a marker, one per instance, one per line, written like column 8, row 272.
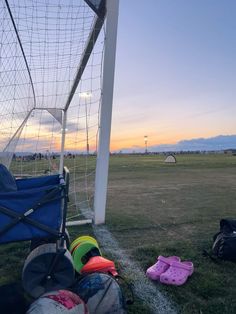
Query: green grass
column 158, row 209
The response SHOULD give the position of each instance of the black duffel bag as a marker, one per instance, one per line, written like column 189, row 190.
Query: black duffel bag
column 224, row 246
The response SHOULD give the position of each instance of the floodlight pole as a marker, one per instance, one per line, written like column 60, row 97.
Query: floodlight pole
column 101, row 179
column 87, row 132
column 145, row 141
column 63, row 137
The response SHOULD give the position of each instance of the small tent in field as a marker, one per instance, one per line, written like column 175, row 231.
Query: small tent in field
column 170, row 159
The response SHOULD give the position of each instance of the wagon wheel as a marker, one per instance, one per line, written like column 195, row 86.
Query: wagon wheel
column 46, row 269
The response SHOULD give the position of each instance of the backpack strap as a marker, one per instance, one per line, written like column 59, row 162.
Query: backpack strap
column 216, row 235
column 130, row 300
column 205, row 253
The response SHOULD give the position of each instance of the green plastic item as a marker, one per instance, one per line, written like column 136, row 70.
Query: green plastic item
column 82, row 239
column 83, row 252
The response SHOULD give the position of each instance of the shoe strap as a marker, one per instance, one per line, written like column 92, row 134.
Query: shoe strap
column 164, row 259
column 182, row 265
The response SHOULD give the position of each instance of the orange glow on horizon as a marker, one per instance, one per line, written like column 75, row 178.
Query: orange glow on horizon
column 117, row 143
column 122, row 137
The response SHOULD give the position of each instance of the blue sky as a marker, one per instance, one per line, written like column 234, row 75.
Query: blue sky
column 175, row 71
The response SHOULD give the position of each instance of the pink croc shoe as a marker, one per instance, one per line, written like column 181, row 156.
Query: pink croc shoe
column 177, row 274
column 162, row 264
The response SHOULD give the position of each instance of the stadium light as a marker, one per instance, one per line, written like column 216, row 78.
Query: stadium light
column 86, row 96
column 146, row 141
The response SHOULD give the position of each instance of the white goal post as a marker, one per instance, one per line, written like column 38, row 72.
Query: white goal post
column 101, row 178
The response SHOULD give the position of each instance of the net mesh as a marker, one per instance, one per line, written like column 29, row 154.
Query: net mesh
column 53, row 35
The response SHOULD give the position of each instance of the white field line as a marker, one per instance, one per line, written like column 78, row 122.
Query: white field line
column 144, row 289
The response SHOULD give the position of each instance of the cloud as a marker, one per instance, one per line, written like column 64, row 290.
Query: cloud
column 50, row 124
column 220, row 142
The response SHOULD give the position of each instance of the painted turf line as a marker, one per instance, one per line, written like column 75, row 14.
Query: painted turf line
column 143, row 288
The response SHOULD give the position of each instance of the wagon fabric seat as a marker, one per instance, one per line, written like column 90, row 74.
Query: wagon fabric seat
column 34, row 210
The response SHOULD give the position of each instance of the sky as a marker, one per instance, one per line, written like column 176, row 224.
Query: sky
column 175, row 72
column 174, row 76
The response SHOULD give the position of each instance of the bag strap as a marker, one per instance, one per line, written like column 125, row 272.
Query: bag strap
column 205, row 253
column 216, row 235
column 130, row 300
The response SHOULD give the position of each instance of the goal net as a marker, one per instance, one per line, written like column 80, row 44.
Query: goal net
column 51, row 57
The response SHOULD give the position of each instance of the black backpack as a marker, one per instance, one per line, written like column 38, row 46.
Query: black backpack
column 224, row 246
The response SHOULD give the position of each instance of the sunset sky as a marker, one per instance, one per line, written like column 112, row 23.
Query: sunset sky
column 175, row 75
column 175, row 71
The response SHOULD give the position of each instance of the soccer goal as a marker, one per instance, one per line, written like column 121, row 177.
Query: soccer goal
column 56, row 81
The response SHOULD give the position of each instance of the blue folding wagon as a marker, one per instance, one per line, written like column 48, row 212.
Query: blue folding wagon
column 35, row 209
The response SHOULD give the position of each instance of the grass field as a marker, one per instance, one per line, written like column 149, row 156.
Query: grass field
column 159, row 209
column 155, row 209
